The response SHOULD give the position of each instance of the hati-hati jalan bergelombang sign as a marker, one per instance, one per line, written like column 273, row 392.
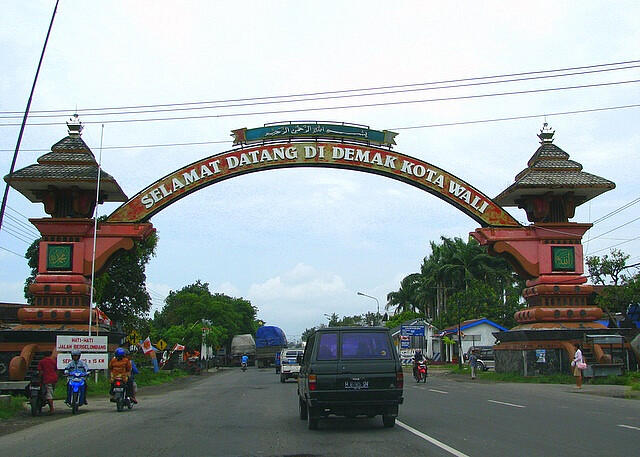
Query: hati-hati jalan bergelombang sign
column 68, row 343
column 95, row 361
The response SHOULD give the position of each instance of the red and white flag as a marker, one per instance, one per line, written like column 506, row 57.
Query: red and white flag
column 146, row 346
column 178, row 347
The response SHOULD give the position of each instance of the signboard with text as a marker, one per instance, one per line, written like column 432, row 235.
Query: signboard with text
column 327, row 154
column 412, row 330
column 68, row 343
column 95, row 361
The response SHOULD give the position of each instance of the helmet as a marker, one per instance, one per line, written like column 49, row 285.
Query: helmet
column 119, row 352
column 75, row 352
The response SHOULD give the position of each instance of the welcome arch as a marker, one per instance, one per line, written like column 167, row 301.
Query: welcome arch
column 349, row 155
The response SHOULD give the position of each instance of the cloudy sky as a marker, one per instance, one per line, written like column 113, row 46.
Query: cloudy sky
column 300, row 243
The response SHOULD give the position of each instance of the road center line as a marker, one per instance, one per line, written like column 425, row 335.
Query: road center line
column 508, row 404
column 439, row 391
column 440, row 444
column 628, row 426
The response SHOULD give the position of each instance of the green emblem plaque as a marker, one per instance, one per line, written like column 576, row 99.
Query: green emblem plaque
column 59, row 256
column 563, row 258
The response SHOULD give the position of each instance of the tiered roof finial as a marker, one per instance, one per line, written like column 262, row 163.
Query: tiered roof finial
column 546, row 134
column 74, row 126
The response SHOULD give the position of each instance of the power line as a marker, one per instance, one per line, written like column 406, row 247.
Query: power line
column 21, row 229
column 25, row 227
column 326, row 97
column 615, row 228
column 332, row 108
column 17, row 235
column 475, row 78
column 12, row 252
column 616, row 245
column 616, row 211
column 478, row 121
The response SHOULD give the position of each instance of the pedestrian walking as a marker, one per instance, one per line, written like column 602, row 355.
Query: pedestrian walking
column 473, row 363
column 47, row 367
column 578, row 365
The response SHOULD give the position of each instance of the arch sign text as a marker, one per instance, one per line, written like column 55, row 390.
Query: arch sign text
column 330, row 152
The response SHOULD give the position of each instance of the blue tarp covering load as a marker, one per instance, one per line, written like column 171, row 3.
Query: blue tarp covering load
column 270, row 336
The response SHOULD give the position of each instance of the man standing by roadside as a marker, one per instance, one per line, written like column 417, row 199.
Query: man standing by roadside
column 47, row 368
column 473, row 363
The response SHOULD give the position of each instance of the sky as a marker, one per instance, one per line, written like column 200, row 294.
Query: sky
column 301, row 243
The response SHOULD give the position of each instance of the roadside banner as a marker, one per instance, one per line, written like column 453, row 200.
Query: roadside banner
column 95, row 361
column 146, row 346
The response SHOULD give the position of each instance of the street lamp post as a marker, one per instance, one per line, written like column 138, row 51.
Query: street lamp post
column 377, row 302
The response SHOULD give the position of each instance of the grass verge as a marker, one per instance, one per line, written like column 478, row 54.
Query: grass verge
column 10, row 408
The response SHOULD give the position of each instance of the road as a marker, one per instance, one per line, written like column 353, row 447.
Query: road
column 231, row 413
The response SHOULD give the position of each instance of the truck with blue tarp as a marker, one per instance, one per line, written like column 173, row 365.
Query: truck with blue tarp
column 270, row 341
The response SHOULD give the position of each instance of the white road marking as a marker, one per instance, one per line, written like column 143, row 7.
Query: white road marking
column 439, row 391
column 508, row 404
column 440, row 444
column 629, row 426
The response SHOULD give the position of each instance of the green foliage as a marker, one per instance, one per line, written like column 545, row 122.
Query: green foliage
column 404, row 316
column 32, row 255
column 120, row 289
column 181, row 319
column 620, row 289
column 460, row 280
column 10, row 409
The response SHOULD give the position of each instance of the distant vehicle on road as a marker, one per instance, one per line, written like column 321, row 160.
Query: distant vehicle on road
column 240, row 345
column 270, row 340
column 350, row 371
column 289, row 365
column 486, row 357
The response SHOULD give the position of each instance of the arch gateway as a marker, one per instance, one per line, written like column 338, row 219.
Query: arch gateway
column 548, row 252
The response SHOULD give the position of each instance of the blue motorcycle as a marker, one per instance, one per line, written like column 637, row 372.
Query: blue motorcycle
column 77, row 385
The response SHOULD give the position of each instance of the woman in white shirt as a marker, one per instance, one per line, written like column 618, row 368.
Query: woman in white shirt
column 577, row 372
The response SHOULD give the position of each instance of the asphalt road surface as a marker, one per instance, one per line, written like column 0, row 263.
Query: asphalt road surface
column 232, row 413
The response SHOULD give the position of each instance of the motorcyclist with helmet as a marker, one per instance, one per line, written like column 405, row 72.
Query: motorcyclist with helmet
column 77, row 365
column 244, row 361
column 120, row 367
column 417, row 358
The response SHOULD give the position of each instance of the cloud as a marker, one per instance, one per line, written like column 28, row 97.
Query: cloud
column 303, row 282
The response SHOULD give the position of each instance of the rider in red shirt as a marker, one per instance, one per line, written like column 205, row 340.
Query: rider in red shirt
column 47, row 367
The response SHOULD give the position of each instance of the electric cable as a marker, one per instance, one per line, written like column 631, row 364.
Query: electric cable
column 333, row 108
column 616, row 211
column 328, row 97
column 615, row 228
column 507, row 75
column 24, row 227
column 17, row 228
column 12, row 252
column 478, row 121
column 13, row 234
column 616, row 245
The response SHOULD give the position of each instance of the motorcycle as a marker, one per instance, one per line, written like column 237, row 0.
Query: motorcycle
column 244, row 366
column 421, row 372
column 36, row 391
column 77, row 384
column 120, row 394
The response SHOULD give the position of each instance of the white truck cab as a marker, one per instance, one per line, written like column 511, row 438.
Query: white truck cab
column 289, row 366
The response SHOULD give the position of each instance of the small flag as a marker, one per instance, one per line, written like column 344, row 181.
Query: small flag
column 178, row 347
column 146, row 346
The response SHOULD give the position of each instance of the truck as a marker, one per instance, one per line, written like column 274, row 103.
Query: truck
column 240, row 345
column 270, row 341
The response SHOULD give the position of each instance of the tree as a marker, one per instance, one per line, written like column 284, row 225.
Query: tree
column 180, row 320
column 120, row 291
column 620, row 288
